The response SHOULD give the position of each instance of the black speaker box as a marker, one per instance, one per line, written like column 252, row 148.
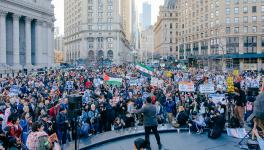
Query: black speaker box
column 74, row 105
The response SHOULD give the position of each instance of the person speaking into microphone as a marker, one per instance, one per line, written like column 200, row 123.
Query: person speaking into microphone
column 150, row 121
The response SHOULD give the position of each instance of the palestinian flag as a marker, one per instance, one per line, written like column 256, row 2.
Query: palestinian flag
column 112, row 81
column 145, row 69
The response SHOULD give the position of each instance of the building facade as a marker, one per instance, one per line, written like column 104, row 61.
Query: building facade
column 146, row 15
column 166, row 30
column 96, row 30
column 26, row 34
column 147, row 44
column 225, row 32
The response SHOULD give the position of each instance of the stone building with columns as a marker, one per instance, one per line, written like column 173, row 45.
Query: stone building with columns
column 26, row 34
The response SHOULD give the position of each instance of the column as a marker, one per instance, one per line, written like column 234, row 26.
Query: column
column 184, row 52
column 45, row 45
column 199, row 48
column 241, row 45
column 191, row 44
column 28, row 43
column 209, row 46
column 3, row 38
column 16, row 41
column 38, row 43
column 49, row 49
column 52, row 45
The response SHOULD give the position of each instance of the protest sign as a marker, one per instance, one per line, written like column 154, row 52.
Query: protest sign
column 207, row 88
column 236, row 132
column 236, row 72
column 133, row 82
column 230, row 85
column 186, row 87
column 156, row 82
column 217, row 98
column 14, row 90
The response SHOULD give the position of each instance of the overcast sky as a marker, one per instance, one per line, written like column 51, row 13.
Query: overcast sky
column 59, row 12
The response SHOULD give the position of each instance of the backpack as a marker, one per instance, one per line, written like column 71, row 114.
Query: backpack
column 43, row 143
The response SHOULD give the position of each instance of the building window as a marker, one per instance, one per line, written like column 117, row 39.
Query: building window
column 236, row 20
column 254, row 29
column 245, row 9
column 227, row 21
column 250, row 44
column 227, row 11
column 262, row 8
column 236, row 30
column 232, row 45
column 109, row 27
column 236, row 10
column 170, row 25
column 254, row 19
column 245, row 29
column 245, row 19
column 236, row 1
column 254, row 9
column 262, row 19
column 227, row 29
column 262, row 29
column 227, row 2
column 110, row 14
column 245, row 1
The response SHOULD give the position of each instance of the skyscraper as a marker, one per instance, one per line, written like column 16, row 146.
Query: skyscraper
column 146, row 15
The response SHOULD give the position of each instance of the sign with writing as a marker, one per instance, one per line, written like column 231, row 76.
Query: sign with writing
column 156, row 82
column 236, row 72
column 217, row 98
column 69, row 85
column 207, row 88
column 14, row 90
column 186, row 87
column 230, row 85
column 250, row 66
column 133, row 82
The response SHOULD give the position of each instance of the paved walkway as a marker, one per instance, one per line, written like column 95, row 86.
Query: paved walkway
column 170, row 137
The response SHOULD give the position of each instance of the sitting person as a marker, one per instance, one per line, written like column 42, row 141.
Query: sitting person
column 217, row 125
column 38, row 138
column 182, row 117
column 118, row 124
column 197, row 123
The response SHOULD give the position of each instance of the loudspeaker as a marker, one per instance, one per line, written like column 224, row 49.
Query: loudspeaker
column 74, row 105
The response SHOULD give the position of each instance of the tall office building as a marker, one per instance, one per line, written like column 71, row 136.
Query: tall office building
column 146, row 15
column 96, row 29
column 26, row 34
column 135, row 35
column 166, row 30
column 225, row 32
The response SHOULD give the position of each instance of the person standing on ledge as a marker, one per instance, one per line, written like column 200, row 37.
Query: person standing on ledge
column 150, row 121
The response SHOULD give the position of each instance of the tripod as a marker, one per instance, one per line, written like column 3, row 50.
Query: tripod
column 242, row 140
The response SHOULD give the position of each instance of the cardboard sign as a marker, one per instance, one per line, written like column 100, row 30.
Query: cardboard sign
column 236, row 132
column 236, row 72
column 206, row 88
column 230, row 85
column 156, row 82
column 14, row 90
column 186, row 87
column 218, row 98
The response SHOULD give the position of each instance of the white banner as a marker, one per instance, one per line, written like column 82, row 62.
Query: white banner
column 186, row 87
column 207, row 88
column 218, row 98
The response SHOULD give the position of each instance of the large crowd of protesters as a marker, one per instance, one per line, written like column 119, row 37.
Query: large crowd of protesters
column 34, row 107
